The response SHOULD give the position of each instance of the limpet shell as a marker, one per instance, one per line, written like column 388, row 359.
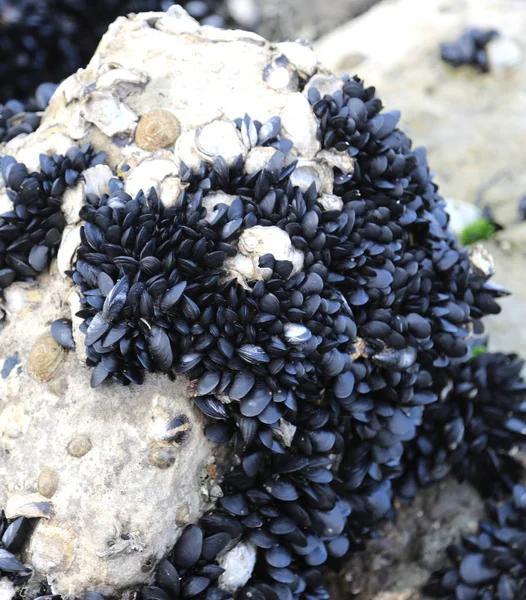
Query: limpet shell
column 48, row 480
column 45, row 358
column 79, row 446
column 157, row 129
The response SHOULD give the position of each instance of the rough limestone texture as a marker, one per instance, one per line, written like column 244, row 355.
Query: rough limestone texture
column 109, row 495
column 84, row 460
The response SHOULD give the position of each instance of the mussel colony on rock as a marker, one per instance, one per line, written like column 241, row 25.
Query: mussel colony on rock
column 48, row 40
column 350, row 380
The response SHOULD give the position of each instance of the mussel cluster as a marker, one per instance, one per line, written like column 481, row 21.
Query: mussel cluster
column 349, row 378
column 481, row 417
column 31, row 232
column 47, row 40
column 490, row 563
column 469, row 49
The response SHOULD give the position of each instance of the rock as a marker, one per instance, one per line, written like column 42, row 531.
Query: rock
column 306, row 19
column 474, row 142
column 399, row 562
column 505, row 330
column 113, row 495
column 124, row 490
column 244, row 12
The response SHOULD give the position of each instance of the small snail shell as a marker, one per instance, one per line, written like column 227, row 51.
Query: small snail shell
column 45, row 358
column 157, row 129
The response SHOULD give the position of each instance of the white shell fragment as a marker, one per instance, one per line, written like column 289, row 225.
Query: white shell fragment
column 30, row 505
column 482, row 261
column 330, row 202
column 72, row 202
column 68, row 246
column 170, row 190
column 6, row 203
column 258, row 158
column 299, row 125
column 301, row 56
column 504, row 53
column 238, row 564
column 149, row 173
column 110, row 115
column 122, row 82
column 325, row 84
column 7, row 589
column 254, row 243
column 340, row 160
column 280, row 75
column 308, row 172
column 176, row 21
column 98, row 179
column 211, row 200
column 220, row 138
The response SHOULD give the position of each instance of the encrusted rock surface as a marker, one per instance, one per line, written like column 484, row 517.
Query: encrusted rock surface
column 79, row 458
column 110, row 496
